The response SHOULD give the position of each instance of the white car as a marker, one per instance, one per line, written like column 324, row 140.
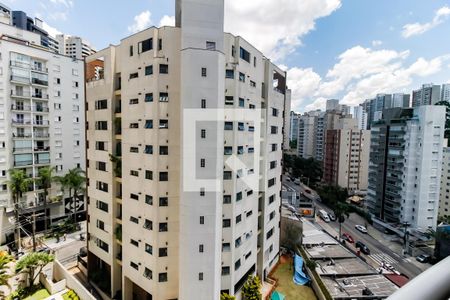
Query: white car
column 361, row 228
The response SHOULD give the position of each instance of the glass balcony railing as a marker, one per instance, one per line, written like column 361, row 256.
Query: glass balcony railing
column 39, row 81
column 20, row 64
column 20, row 93
column 41, row 135
column 20, row 79
column 21, row 122
column 23, row 163
column 40, row 95
column 20, row 107
column 21, row 135
column 41, row 122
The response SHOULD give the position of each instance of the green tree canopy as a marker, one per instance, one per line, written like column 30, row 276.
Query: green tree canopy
column 252, row 288
column 32, row 265
column 225, row 296
column 5, row 259
column 303, row 168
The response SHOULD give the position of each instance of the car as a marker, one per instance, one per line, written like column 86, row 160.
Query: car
column 362, row 247
column 332, row 216
column 423, row 258
column 288, row 179
column 361, row 228
column 348, row 238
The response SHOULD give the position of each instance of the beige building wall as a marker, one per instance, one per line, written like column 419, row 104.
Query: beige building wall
column 444, row 200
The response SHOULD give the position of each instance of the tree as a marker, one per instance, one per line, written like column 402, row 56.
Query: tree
column 5, row 259
column 304, row 168
column 291, row 237
column 342, row 212
column 225, row 296
column 32, row 265
column 18, row 183
column 293, row 144
column 252, row 288
column 73, row 181
column 45, row 179
column 331, row 195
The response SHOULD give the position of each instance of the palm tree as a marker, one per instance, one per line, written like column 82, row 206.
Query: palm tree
column 18, row 184
column 5, row 259
column 342, row 212
column 74, row 181
column 45, row 179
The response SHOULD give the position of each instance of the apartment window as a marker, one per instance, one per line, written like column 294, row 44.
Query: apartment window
column 100, row 146
column 271, row 199
column 203, row 103
column 252, row 83
column 202, row 163
column 134, row 219
column 148, row 124
column 249, row 213
column 131, row 50
column 273, row 129
column 251, row 106
column 273, row 164
column 101, row 125
column 146, row 45
column 149, row 249
column 134, row 101
column 148, row 199
column 274, row 147
column 226, row 247
column 241, row 77
column 244, row 54
column 148, row 224
column 238, row 219
column 149, row 70
column 134, row 197
column 210, row 45
column 271, row 215
column 163, row 150
column 251, row 128
column 162, row 277
column 229, row 100
column 101, row 166
column 148, row 174
column 240, row 150
column 148, row 273
column 269, row 233
column 226, row 223
column 239, row 196
column 102, row 245
column 163, row 227
column 228, row 150
column 271, row 182
column 162, row 252
column 237, row 264
column 203, row 72
column 75, row 84
column 160, row 44
column 101, row 104
column 148, row 97
column 134, row 125
column 102, row 205
column 202, row 220
column 226, row 199
column 274, row 112
column 241, row 102
column 241, row 126
column 163, row 97
column 254, row 61
column 163, row 69
column 101, row 186
column 163, row 201
column 134, row 150
column 57, row 106
column 203, row 133
column 227, row 175
column 228, row 125
column 134, row 75
column 148, row 149
column 200, row 276
column 229, row 74
column 225, row 271
column 163, row 176
column 134, row 265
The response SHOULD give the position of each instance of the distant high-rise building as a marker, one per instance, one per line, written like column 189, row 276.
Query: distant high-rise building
column 306, row 135
column 429, row 94
column 445, row 92
column 374, row 107
column 444, row 202
column 361, row 116
column 74, row 46
column 405, row 165
column 294, row 120
column 398, row 100
column 347, row 155
column 332, row 104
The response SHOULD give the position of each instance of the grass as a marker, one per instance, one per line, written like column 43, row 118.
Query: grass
column 284, row 274
column 39, row 295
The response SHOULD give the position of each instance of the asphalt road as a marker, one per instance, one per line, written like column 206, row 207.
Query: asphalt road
column 378, row 248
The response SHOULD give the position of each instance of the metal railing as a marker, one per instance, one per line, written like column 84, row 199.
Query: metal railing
column 21, row 122
column 431, row 284
column 41, row 122
column 41, row 135
column 40, row 109
column 40, row 96
column 42, row 149
column 20, row 107
column 22, row 135
column 20, row 93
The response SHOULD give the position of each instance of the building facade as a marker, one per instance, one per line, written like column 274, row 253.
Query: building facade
column 74, row 46
column 444, row 202
column 307, row 126
column 428, row 94
column 41, row 121
column 405, row 166
column 445, row 92
column 293, row 133
column 347, row 156
column 185, row 135
column 361, row 116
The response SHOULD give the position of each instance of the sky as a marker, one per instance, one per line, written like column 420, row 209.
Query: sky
column 342, row 49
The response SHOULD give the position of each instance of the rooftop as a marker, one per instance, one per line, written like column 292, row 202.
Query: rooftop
column 353, row 286
column 346, row 266
column 314, row 236
column 329, row 251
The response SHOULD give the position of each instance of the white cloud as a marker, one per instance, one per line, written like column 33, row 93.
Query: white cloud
column 167, row 21
column 303, row 83
column 319, row 103
column 376, row 43
column 275, row 27
column 58, row 16
column 66, row 3
column 417, row 28
column 141, row 22
column 52, row 31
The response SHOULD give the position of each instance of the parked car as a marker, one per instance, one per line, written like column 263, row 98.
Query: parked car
column 362, row 247
column 423, row 258
column 348, row 237
column 361, row 228
column 332, row 216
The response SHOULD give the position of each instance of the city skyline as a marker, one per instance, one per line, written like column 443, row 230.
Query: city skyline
column 390, row 55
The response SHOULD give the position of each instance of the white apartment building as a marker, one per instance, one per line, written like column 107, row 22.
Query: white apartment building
column 406, row 164
column 347, row 156
column 185, row 134
column 361, row 116
column 41, row 120
column 293, row 130
column 307, row 125
column 74, row 46
column 444, row 202
column 445, row 92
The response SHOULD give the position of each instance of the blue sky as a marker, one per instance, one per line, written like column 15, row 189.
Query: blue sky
column 345, row 49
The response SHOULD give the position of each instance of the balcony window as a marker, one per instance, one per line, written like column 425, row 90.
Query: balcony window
column 163, row 97
column 228, row 125
column 148, row 97
column 163, row 69
column 228, row 150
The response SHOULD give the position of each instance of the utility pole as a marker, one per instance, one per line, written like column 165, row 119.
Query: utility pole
column 405, row 236
column 34, row 231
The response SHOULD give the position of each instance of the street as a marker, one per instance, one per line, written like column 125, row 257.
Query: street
column 381, row 250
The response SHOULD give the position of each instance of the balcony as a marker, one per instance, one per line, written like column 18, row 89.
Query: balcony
column 20, row 107
column 41, row 122
column 45, row 161
column 22, row 135
column 20, row 79
column 19, row 64
column 40, row 96
column 22, row 149
column 40, row 69
column 41, row 135
column 40, row 109
column 23, row 163
column 20, row 93
column 21, row 122
column 39, row 81
column 42, row 149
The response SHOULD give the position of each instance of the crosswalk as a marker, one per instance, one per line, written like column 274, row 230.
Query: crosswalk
column 382, row 257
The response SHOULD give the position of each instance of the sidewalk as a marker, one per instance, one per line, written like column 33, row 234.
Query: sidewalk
column 71, row 238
